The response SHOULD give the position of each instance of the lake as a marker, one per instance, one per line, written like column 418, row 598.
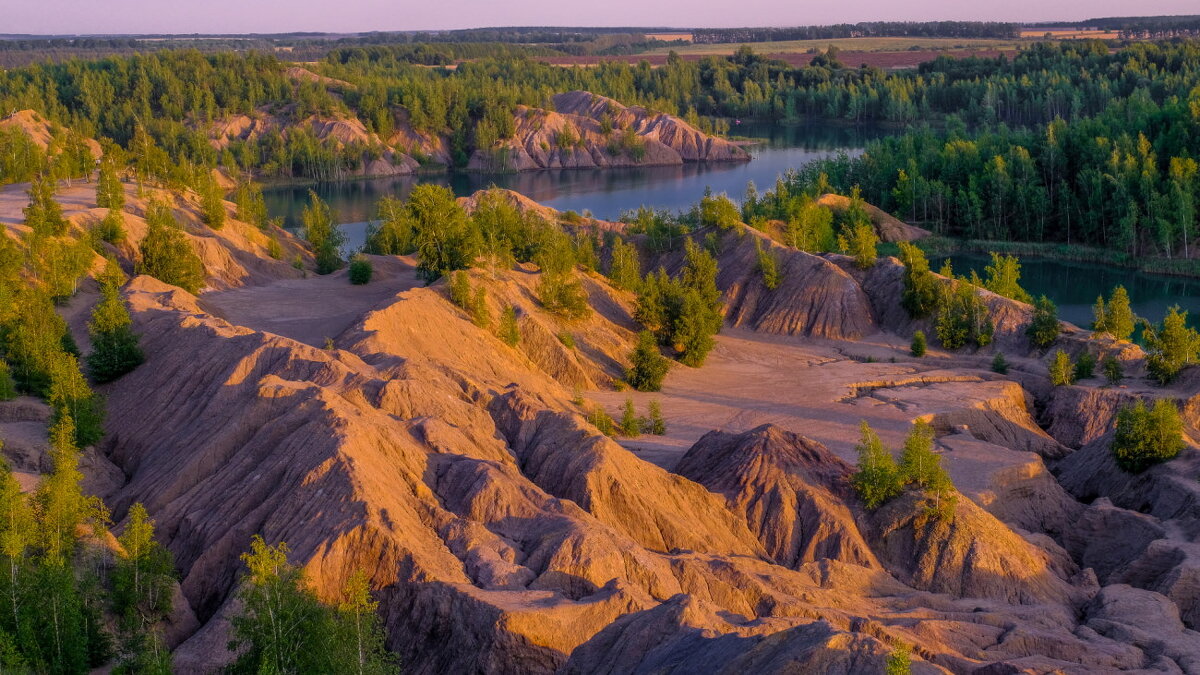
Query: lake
column 609, row 192
column 605, row 192
column 1073, row 286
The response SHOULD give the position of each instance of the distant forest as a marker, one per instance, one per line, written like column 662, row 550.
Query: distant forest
column 941, row 29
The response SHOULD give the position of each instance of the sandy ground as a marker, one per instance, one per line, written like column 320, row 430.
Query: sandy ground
column 14, row 198
column 313, row 309
column 751, row 379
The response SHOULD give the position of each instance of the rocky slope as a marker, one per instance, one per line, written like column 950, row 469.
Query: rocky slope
column 502, row 533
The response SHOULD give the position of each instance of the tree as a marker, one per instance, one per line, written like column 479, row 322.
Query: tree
column 625, row 270
column 325, row 237
column 1000, row 364
column 861, row 245
column 918, row 344
column 17, row 535
column 1113, row 372
column 166, row 253
column 510, row 333
column 559, row 290
column 1004, row 277
column 8, row 386
column 361, row 639
column 442, row 236
column 1147, row 436
column 361, row 270
column 110, row 193
column 70, row 397
column 282, row 628
column 717, row 211
column 1062, row 373
column 1115, row 317
column 44, row 214
column 251, row 205
column 599, row 418
column 920, row 465
column 115, row 349
column 963, row 317
column 920, row 285
column 631, row 424
column 1171, row 346
column 391, row 233
column 657, row 426
column 141, row 596
column 212, row 202
column 111, row 228
column 1043, row 327
column 877, row 478
column 767, row 266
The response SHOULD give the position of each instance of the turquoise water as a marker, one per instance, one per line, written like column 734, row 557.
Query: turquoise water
column 1074, row 286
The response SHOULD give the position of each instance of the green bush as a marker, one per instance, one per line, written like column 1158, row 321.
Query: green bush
column 1044, row 327
column 1113, row 372
column 656, row 424
column 1062, row 373
column 1147, row 436
column 1000, row 364
column 918, row 344
column 649, row 367
column 361, row 270
column 1085, row 367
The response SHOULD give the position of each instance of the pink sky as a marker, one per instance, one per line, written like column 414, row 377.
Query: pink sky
column 272, row 16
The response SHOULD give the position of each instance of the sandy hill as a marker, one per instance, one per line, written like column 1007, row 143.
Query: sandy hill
column 40, row 130
column 462, row 475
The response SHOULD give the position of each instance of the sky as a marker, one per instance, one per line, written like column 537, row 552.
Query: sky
column 278, row 16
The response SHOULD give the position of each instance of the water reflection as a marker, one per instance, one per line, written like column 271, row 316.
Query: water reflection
column 604, row 192
column 1074, row 286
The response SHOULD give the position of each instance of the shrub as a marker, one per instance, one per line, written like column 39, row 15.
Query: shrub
column 963, row 318
column 599, row 418
column 1004, row 277
column 767, row 267
column 1113, row 372
column 1062, row 373
column 631, row 424
column 1147, row 436
column 1000, row 364
column 112, row 227
column 920, row 285
column 624, row 270
column 1044, row 328
column 649, row 367
column 657, row 425
column 361, row 270
column 166, row 253
column 1085, row 367
column 918, row 344
column 567, row 340
column 510, row 333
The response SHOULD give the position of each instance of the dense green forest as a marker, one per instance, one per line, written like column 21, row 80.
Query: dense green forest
column 1068, row 142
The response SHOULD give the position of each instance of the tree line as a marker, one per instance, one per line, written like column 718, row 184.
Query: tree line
column 944, row 29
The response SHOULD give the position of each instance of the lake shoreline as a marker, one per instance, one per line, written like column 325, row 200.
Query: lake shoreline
column 1175, row 267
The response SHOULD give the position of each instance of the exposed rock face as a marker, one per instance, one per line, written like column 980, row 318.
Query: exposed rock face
column 685, row 636
column 1078, row 416
column 792, row 491
column 969, row 554
column 572, row 137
